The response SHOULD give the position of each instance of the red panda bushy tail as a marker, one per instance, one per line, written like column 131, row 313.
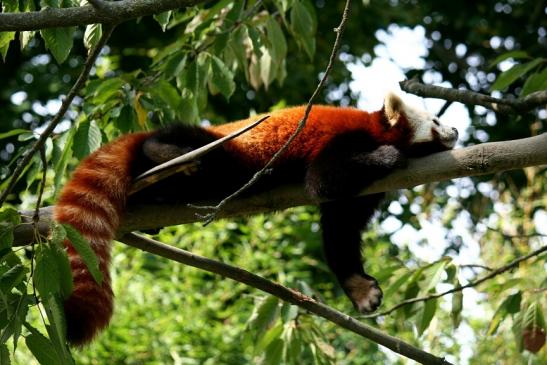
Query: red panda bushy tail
column 93, row 202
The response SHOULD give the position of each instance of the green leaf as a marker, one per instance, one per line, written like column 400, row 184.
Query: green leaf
column 84, row 249
column 42, row 348
column 274, row 352
column 13, row 132
column 46, row 275
column 127, row 120
column 510, row 305
column 11, row 278
column 222, row 78
column 4, row 355
column 5, row 39
column 59, row 41
column 87, row 139
column 278, row 44
column 264, row 315
column 427, row 314
column 503, row 57
column 106, row 90
column 535, row 82
column 189, row 107
column 508, row 77
column 62, row 263
column 163, row 19
column 61, row 164
column 303, row 27
column 457, row 307
column 93, row 33
column 434, row 274
column 288, row 312
column 57, row 328
column 237, row 44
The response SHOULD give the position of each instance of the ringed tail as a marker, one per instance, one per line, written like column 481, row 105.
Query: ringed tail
column 92, row 202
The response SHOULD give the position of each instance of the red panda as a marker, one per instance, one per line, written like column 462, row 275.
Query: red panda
column 338, row 153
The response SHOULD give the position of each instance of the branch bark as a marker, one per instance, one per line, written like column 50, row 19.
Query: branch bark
column 109, row 12
column 519, row 105
column 286, row 294
column 486, row 158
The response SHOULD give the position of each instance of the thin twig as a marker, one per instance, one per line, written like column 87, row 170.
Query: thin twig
column 36, row 216
column 444, row 108
column 515, row 236
column 471, row 284
column 57, row 118
column 301, row 124
column 179, row 163
column 477, row 266
column 289, row 295
column 519, row 105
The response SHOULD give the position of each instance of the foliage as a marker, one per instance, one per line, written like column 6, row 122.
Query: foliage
column 221, row 61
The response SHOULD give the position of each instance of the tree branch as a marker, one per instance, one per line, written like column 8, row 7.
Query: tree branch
column 486, row 158
column 519, row 105
column 108, row 12
column 216, row 209
column 471, row 284
column 57, row 118
column 289, row 295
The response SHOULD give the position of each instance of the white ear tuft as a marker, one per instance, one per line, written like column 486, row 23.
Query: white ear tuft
column 393, row 107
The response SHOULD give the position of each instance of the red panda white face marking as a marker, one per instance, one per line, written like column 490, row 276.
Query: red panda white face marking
column 425, row 126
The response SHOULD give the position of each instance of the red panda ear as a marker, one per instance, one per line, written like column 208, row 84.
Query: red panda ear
column 393, row 107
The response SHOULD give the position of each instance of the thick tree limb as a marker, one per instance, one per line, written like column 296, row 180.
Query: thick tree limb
column 519, row 105
column 486, row 158
column 105, row 12
column 286, row 294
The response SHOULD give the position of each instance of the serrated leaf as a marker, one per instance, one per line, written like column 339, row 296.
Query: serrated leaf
column 62, row 263
column 84, row 249
column 5, row 39
column 426, row 315
column 42, row 349
column 508, row 77
column 254, row 36
column 264, row 315
column 288, row 312
column 222, row 78
column 535, row 82
column 278, row 46
column 268, row 70
column 237, row 45
column 4, row 355
column 92, row 34
column 457, row 307
column 106, row 90
column 66, row 154
column 274, row 352
column 189, row 107
column 127, row 119
column 434, row 275
column 503, row 57
column 57, row 328
column 11, row 278
column 87, row 139
column 59, row 41
column 46, row 275
column 510, row 305
column 163, row 19
column 142, row 113
column 303, row 27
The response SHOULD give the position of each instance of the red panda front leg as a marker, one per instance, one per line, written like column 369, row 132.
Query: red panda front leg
column 342, row 222
column 345, row 166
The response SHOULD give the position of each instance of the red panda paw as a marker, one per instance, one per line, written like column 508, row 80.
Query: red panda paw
column 364, row 292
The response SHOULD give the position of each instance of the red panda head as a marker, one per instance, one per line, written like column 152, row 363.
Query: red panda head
column 423, row 132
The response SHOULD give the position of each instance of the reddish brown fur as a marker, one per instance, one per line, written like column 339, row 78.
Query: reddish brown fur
column 258, row 145
column 93, row 201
